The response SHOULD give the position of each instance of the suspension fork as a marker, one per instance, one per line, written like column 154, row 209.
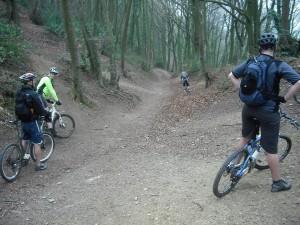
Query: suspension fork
column 55, row 114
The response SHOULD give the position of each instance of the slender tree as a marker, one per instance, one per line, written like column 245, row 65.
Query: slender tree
column 71, row 43
column 124, row 35
column 11, row 11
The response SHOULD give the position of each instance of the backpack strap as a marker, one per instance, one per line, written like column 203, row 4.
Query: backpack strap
column 265, row 91
column 276, row 81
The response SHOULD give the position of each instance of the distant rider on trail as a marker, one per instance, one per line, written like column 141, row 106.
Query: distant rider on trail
column 184, row 78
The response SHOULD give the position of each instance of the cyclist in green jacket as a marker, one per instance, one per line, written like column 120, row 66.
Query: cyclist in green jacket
column 45, row 86
column 46, row 90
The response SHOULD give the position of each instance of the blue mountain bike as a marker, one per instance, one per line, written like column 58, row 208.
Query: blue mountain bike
column 242, row 162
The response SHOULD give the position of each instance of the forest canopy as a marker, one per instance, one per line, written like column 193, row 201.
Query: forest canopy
column 195, row 35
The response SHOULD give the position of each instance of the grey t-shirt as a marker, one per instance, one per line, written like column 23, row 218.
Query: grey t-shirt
column 184, row 76
column 276, row 71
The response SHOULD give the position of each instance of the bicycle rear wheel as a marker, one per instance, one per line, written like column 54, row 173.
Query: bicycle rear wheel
column 63, row 126
column 284, row 148
column 11, row 162
column 227, row 178
column 47, row 148
column 297, row 98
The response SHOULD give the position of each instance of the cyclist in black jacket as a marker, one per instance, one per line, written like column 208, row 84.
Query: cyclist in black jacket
column 29, row 107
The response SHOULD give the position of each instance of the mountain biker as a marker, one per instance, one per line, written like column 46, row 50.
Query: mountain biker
column 267, row 114
column 29, row 107
column 46, row 90
column 184, row 78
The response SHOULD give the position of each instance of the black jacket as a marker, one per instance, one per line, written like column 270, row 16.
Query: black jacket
column 33, row 101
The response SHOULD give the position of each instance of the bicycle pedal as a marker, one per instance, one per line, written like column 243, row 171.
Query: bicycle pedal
column 24, row 162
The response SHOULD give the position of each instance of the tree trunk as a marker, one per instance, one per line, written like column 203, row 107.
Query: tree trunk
column 202, row 44
column 232, row 41
column 110, row 46
column 196, row 23
column 285, row 20
column 97, row 17
column 124, row 36
column 252, row 25
column 11, row 11
column 270, row 11
column 93, row 55
column 35, row 14
column 70, row 35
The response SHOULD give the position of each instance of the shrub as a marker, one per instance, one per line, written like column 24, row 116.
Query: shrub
column 159, row 64
column 11, row 43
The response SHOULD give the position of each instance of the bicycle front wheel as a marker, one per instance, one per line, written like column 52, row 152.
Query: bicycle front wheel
column 284, row 148
column 11, row 162
column 227, row 178
column 63, row 126
column 47, row 148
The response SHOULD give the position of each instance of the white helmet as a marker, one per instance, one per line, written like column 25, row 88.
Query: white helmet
column 53, row 70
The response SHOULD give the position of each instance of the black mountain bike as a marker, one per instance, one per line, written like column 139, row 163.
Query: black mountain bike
column 14, row 156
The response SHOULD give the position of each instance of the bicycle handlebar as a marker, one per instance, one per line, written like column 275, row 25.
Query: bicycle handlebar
column 291, row 120
column 51, row 102
column 13, row 122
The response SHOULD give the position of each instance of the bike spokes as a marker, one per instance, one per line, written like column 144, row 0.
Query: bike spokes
column 229, row 174
column 64, row 126
column 11, row 162
column 47, row 148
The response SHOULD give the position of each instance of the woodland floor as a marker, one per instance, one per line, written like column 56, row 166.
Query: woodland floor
column 154, row 163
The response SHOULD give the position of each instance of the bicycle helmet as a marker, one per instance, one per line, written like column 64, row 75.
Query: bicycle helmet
column 54, row 71
column 267, row 39
column 27, row 77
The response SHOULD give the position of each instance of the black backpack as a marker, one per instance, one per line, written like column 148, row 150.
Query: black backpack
column 254, row 90
column 23, row 107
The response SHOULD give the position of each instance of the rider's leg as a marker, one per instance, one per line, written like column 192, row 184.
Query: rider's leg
column 249, row 127
column 50, row 126
column 37, row 140
column 48, row 117
column 243, row 141
column 273, row 162
column 270, row 126
column 26, row 135
column 269, row 141
column 38, row 154
column 24, row 143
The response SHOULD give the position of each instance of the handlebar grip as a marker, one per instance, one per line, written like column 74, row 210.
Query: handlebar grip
column 50, row 101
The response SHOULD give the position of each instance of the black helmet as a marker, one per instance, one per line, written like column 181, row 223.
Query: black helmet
column 27, row 77
column 267, row 39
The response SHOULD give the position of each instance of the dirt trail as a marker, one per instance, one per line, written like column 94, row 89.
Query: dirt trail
column 119, row 168
column 130, row 166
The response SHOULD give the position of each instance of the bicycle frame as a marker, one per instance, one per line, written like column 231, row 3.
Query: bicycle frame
column 249, row 161
column 54, row 113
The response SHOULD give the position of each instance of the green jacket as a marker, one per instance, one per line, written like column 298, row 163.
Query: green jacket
column 45, row 87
